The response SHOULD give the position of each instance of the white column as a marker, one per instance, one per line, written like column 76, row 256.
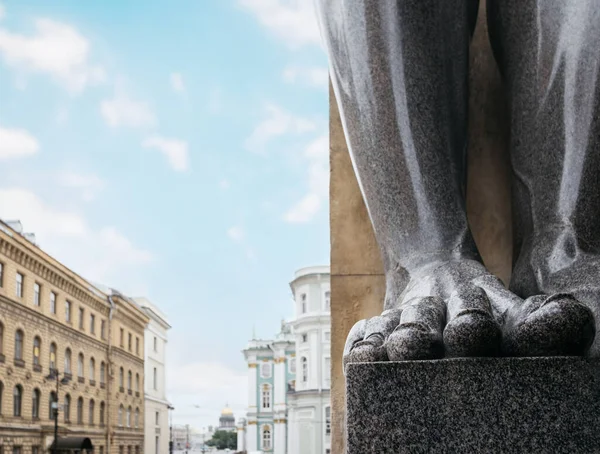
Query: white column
column 280, row 440
column 241, row 438
column 280, row 383
column 252, row 436
column 252, row 371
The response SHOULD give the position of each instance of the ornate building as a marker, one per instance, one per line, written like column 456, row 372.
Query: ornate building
column 289, row 409
column 52, row 320
column 227, row 420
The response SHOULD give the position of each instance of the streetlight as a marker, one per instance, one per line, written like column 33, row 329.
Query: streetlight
column 54, row 374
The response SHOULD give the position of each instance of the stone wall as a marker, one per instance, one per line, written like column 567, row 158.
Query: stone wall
column 357, row 282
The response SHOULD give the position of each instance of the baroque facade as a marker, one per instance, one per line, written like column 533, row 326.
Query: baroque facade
column 52, row 320
column 289, row 410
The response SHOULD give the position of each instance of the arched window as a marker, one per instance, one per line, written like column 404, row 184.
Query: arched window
column 80, row 410
column 19, row 344
column 137, row 418
column 121, row 377
column 80, row 362
column 102, row 372
column 1, row 337
column 327, row 301
column 304, row 362
column 129, row 380
column 35, row 404
column 292, row 365
column 92, row 369
column 91, row 412
column 17, row 400
column 52, row 356
column 37, row 347
column 137, row 382
column 67, row 408
column 266, row 437
column 51, row 400
column 128, row 416
column 120, row 415
column 266, row 396
column 68, row 361
column 101, row 417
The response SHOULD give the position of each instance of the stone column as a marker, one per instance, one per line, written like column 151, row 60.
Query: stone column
column 252, row 435
column 280, row 438
column 357, row 282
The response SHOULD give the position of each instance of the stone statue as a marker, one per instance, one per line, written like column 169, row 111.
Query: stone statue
column 400, row 73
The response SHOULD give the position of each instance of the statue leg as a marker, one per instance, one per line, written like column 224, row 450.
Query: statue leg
column 549, row 55
column 400, row 72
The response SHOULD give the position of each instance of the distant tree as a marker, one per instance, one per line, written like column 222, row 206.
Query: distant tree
column 222, row 439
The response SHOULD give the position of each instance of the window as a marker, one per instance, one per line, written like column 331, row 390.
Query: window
column 1, row 338
column 81, row 315
column 17, row 400
column 101, row 450
column 266, row 437
column 155, row 379
column 137, row 345
column 37, row 346
column 304, row 337
column 128, row 416
column 304, row 363
column 67, row 408
column 68, row 361
column 156, row 418
column 92, row 324
column 327, row 336
column 80, row 410
column 137, row 382
column 328, row 421
column 303, row 302
column 137, row 418
column 327, row 301
column 101, row 417
column 292, row 365
column 121, row 415
column 36, row 294
column 92, row 369
column 91, row 412
column 35, row 450
column 327, row 372
column 1, row 393
column 129, row 380
column 122, row 338
column 266, row 397
column 68, row 311
column 155, row 344
column 129, row 343
column 51, row 401
column 19, row 345
column 102, row 372
column 1, row 274
column 103, row 329
column 16, row 450
column 265, row 370
column 52, row 303
column 80, row 365
column 53, row 356
column 121, row 377
column 19, row 287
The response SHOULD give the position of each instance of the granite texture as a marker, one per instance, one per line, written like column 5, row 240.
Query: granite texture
column 400, row 73
column 475, row 405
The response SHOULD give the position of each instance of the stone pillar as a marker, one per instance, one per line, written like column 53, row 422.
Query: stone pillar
column 252, row 435
column 357, row 283
column 241, row 437
column 252, row 391
column 280, row 438
column 280, row 385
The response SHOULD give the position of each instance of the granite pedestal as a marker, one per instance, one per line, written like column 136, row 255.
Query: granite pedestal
column 480, row 405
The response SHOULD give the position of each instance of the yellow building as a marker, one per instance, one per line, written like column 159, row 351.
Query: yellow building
column 51, row 319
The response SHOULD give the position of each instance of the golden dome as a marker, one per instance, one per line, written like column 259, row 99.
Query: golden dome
column 227, row 411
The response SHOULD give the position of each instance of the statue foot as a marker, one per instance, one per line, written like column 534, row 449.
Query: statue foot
column 458, row 309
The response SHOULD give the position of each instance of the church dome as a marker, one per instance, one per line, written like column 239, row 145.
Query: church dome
column 227, row 412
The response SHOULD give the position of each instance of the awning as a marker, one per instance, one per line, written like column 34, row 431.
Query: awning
column 74, row 443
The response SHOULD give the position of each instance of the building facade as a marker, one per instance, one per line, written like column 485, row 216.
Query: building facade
column 55, row 324
column 289, row 409
column 156, row 404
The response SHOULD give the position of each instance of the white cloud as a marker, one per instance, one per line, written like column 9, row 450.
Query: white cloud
column 88, row 185
column 176, row 151
column 177, row 84
column 293, row 21
column 313, row 77
column 17, row 143
column 277, row 123
column 317, row 156
column 100, row 254
column 236, row 233
column 56, row 49
column 123, row 111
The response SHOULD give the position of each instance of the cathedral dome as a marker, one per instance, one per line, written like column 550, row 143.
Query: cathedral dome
column 227, row 412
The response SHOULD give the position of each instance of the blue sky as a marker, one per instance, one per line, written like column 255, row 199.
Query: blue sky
column 174, row 150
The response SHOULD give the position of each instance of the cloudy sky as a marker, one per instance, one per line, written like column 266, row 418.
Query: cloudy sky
column 174, row 150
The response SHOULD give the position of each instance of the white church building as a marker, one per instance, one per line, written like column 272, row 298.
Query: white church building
column 289, row 409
